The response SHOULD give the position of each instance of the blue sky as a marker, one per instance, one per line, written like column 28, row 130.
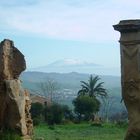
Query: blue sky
column 50, row 30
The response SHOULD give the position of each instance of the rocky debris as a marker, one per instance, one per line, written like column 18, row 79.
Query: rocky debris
column 14, row 100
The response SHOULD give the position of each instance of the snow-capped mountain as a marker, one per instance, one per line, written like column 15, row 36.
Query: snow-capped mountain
column 74, row 65
column 71, row 62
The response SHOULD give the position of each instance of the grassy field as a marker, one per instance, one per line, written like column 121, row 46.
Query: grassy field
column 80, row 132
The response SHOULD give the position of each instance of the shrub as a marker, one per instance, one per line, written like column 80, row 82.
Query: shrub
column 36, row 121
column 67, row 112
column 122, row 123
column 96, row 124
column 9, row 135
column 54, row 114
column 85, row 106
column 67, row 121
column 36, row 110
column 119, row 116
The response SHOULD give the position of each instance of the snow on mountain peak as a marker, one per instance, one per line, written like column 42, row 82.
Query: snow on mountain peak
column 70, row 62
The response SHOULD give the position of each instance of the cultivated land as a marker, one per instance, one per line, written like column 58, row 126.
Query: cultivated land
column 81, row 132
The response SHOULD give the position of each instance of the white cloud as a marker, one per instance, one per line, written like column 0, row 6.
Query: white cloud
column 17, row 3
column 77, row 20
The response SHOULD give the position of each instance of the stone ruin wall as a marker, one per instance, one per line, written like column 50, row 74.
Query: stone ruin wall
column 14, row 100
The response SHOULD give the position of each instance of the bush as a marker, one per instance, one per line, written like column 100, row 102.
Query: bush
column 67, row 121
column 67, row 112
column 54, row 114
column 122, row 124
column 36, row 110
column 36, row 121
column 96, row 124
column 85, row 106
column 9, row 135
column 119, row 116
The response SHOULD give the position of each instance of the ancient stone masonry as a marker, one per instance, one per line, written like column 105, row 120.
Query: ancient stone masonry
column 130, row 73
column 14, row 100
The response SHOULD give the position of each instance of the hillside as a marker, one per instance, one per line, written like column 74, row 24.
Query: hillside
column 69, row 85
column 68, row 80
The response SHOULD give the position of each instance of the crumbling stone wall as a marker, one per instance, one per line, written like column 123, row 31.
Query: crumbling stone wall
column 14, row 100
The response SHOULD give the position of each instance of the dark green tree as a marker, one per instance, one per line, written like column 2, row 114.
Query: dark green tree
column 37, row 110
column 85, row 105
column 93, row 88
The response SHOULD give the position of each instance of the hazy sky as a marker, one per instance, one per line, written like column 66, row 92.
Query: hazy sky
column 50, row 30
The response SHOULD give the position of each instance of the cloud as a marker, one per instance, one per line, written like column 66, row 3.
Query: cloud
column 17, row 3
column 62, row 19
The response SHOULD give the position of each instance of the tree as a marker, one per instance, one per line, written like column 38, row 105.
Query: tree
column 92, row 87
column 107, row 105
column 85, row 105
column 49, row 88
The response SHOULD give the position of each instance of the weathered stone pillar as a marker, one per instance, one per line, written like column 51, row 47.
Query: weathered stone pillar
column 130, row 73
column 14, row 100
